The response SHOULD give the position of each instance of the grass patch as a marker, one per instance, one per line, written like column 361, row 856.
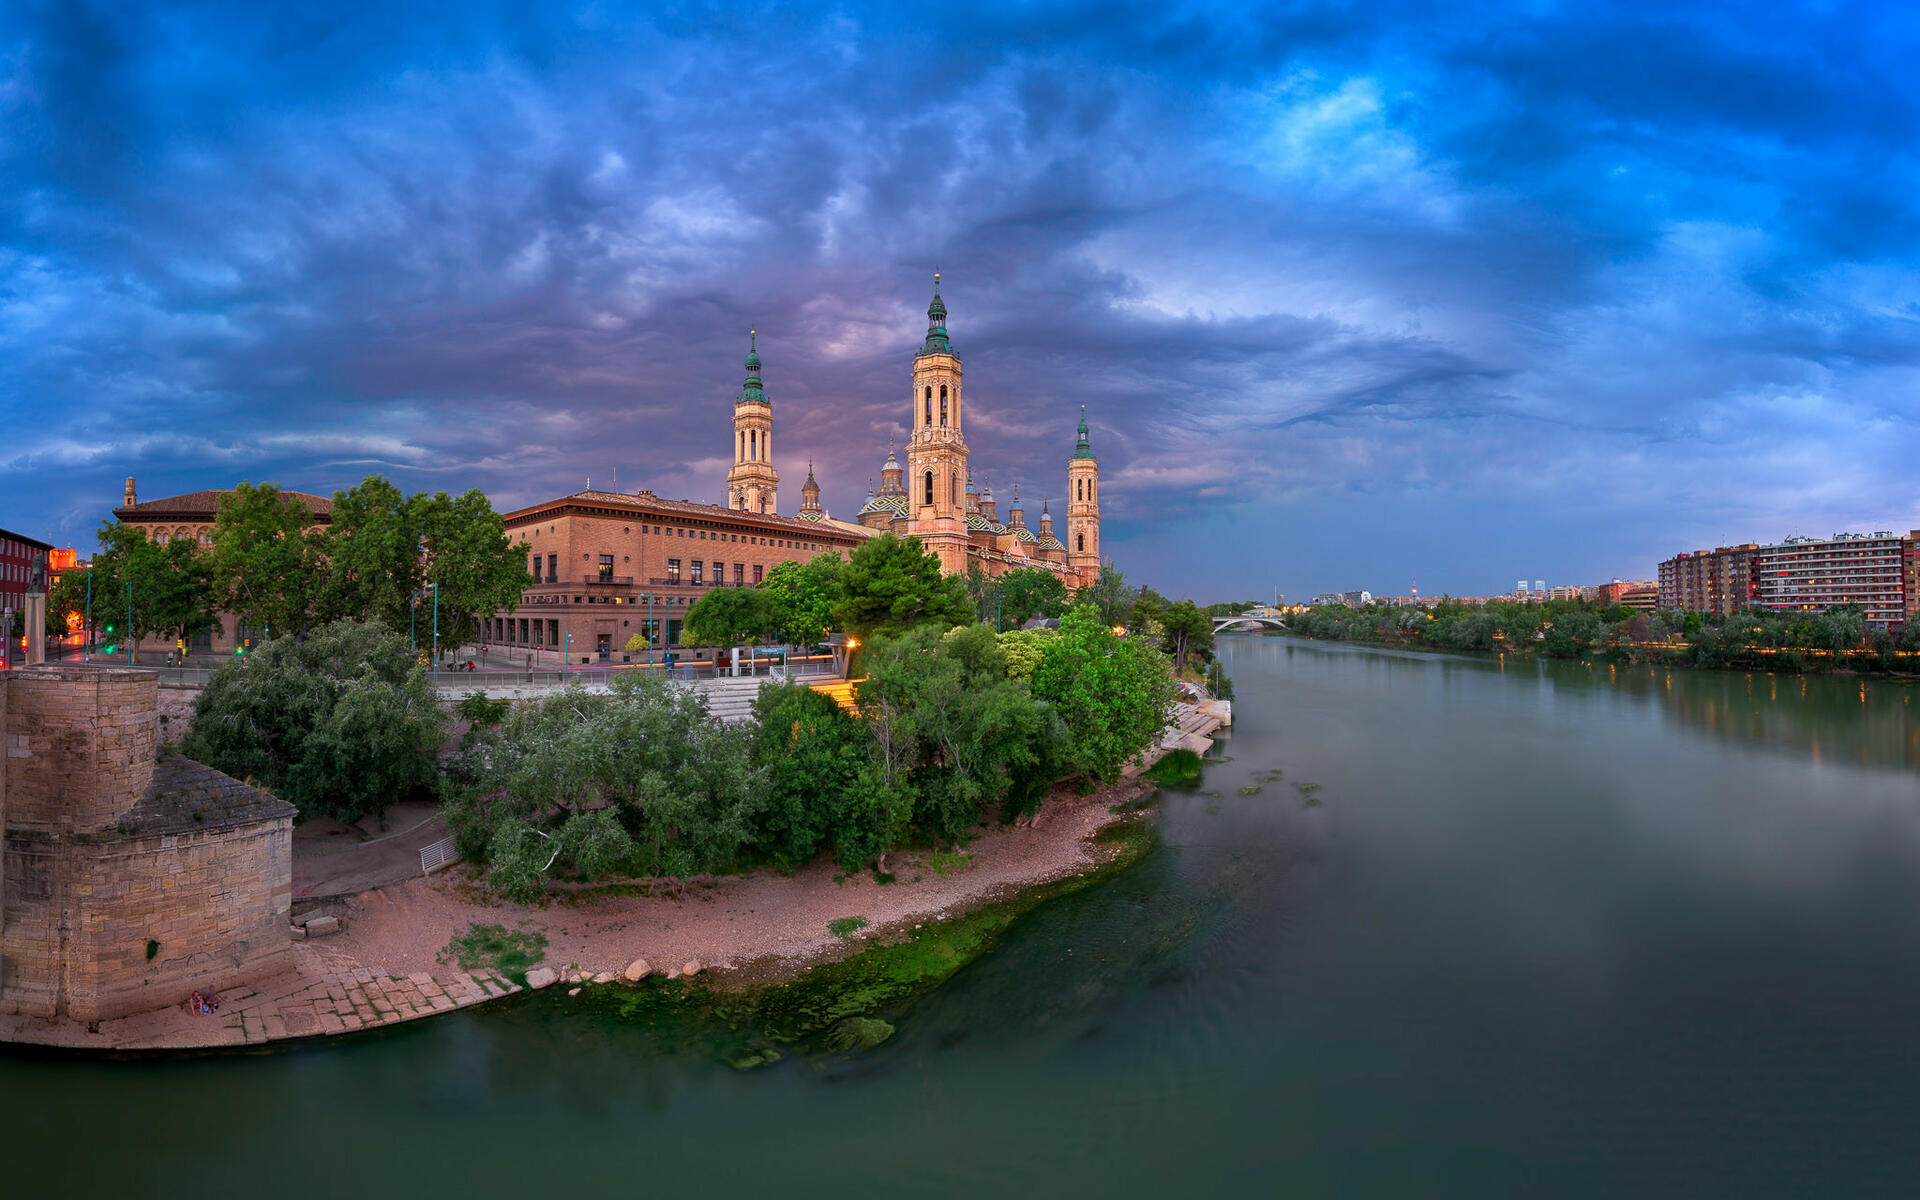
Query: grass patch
column 511, row 952
column 153, row 948
column 943, row 864
column 1176, row 768
column 844, row 927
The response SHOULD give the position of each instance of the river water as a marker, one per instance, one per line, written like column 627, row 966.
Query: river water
column 1540, row 929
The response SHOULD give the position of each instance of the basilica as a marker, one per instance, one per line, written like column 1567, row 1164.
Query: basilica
column 934, row 497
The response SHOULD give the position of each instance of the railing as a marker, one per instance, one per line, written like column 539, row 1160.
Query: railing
column 621, row 580
column 435, row 855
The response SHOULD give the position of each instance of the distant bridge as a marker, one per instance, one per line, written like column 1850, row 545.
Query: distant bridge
column 1222, row 624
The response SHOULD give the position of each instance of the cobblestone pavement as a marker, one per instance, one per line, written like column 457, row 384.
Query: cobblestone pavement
column 314, row 1001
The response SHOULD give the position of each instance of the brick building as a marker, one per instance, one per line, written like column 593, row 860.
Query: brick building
column 1718, row 581
column 1873, row 570
column 20, row 556
column 607, row 566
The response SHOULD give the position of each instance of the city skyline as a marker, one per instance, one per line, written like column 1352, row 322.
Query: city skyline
column 1351, row 298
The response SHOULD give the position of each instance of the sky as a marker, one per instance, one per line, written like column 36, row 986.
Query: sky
column 1355, row 296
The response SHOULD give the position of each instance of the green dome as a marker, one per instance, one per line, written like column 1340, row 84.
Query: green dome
column 751, row 392
column 937, row 342
column 1083, row 450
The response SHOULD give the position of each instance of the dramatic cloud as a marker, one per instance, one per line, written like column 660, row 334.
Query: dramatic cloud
column 1352, row 296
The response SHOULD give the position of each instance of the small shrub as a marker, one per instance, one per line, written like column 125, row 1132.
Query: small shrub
column 511, row 952
column 153, row 948
column 943, row 864
column 843, row 927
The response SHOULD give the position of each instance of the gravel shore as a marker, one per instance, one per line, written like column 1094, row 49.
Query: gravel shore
column 759, row 927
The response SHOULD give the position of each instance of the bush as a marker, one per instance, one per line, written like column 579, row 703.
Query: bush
column 1113, row 693
column 341, row 723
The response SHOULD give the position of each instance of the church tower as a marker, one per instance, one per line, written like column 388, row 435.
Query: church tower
column 752, row 483
column 810, row 496
column 937, row 453
column 1083, row 508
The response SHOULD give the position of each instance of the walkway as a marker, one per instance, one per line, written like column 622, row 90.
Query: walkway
column 369, row 865
column 319, row 998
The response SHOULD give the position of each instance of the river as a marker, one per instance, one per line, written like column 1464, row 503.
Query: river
column 1541, row 929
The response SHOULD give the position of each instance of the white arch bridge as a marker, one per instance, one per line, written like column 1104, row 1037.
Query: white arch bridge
column 1222, row 624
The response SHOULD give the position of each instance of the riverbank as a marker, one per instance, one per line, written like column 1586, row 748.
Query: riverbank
column 1678, row 657
column 742, row 932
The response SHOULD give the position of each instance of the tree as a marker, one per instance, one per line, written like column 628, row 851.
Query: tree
column 803, row 596
column 468, row 556
column 891, row 585
column 1023, row 649
column 171, row 593
column 262, row 563
column 641, row 780
column 1027, row 592
column 812, row 753
column 1187, row 631
column 340, row 723
column 1113, row 693
column 983, row 591
column 729, row 617
column 1110, row 596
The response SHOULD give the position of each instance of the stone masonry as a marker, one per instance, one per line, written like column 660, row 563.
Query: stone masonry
column 129, row 879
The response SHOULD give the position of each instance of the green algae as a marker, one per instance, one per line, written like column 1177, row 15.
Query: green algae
column 748, row 1027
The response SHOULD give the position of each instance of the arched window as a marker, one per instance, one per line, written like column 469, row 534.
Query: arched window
column 753, row 443
column 1081, row 539
column 743, row 449
column 943, row 404
column 1079, row 489
column 954, row 487
column 929, row 481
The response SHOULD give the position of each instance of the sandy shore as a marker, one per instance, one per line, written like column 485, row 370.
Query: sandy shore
column 755, row 928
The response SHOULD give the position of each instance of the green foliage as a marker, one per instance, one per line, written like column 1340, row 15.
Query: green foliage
column 812, row 754
column 802, row 597
column 944, row 863
column 341, row 723
column 843, row 927
column 984, row 593
column 1028, row 592
column 891, row 585
column 968, row 735
column 640, row 780
column 172, row 592
column 1110, row 596
column 1751, row 638
column 153, row 949
column 729, row 617
column 511, row 952
column 482, row 713
column 1185, row 630
column 1176, row 768
column 1219, row 683
column 383, row 549
column 263, row 564
column 1113, row 693
column 1023, row 649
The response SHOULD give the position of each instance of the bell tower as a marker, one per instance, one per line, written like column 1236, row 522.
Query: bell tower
column 752, row 483
column 1083, row 508
column 936, row 452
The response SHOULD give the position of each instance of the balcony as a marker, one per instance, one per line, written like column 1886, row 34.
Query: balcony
column 617, row 580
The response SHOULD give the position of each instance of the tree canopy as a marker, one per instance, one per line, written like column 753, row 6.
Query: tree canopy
column 891, row 584
column 730, row 617
column 803, row 596
column 340, row 723
column 1028, row 592
column 1113, row 692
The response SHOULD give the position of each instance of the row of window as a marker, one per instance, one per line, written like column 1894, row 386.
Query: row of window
column 697, row 569
column 552, row 564
column 539, row 633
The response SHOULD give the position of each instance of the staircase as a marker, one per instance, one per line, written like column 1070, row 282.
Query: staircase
column 840, row 690
column 730, row 699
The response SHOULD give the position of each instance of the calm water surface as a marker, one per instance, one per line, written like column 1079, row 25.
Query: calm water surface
column 1547, row 930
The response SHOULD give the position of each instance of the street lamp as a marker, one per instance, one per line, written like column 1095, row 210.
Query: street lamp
column 129, row 622
column 436, row 633
column 88, row 653
column 569, row 663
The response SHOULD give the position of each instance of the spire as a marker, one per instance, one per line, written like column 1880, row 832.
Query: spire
column 751, row 392
column 937, row 342
column 1083, row 450
column 809, row 485
column 810, row 491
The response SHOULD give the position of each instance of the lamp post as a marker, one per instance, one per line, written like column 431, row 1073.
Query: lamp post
column 436, row 633
column 87, row 654
column 129, row 622
column 569, row 663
